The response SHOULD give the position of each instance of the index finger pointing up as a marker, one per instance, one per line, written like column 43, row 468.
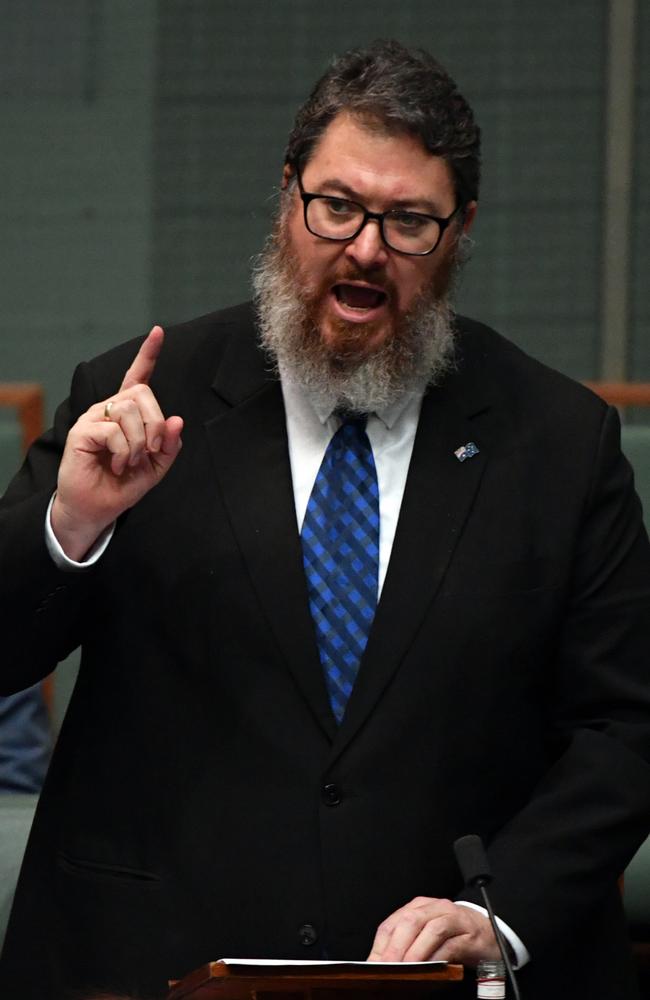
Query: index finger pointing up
column 144, row 362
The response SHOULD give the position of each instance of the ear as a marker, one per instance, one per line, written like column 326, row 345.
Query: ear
column 470, row 214
column 287, row 174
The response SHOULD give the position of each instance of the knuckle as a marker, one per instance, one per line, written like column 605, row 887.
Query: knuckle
column 141, row 389
column 411, row 919
column 84, row 421
column 77, row 430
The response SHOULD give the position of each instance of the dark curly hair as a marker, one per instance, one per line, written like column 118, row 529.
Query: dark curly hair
column 405, row 90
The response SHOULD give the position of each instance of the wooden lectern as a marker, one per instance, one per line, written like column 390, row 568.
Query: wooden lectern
column 336, row 981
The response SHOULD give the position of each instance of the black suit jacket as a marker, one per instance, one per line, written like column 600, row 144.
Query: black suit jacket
column 188, row 812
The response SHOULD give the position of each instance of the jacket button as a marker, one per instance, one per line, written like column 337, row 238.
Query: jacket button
column 307, row 935
column 331, row 795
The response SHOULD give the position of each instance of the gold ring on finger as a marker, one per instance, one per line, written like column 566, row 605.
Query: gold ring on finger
column 107, row 410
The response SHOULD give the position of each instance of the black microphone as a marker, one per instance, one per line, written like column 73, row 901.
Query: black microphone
column 475, row 869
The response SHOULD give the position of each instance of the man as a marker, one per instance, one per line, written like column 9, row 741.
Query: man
column 260, row 757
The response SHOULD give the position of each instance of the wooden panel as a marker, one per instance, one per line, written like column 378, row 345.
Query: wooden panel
column 26, row 398
column 622, row 393
column 219, row 981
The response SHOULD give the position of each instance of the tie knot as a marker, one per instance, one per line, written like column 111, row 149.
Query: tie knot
column 351, row 438
column 355, row 421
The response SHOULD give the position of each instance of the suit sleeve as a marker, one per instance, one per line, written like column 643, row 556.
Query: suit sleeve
column 41, row 604
column 560, row 857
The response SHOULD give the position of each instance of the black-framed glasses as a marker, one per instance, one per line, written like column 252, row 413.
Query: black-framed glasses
column 334, row 218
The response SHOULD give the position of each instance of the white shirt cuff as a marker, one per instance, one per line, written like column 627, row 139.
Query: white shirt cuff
column 522, row 955
column 61, row 560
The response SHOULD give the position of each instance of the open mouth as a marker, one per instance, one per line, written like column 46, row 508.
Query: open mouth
column 359, row 297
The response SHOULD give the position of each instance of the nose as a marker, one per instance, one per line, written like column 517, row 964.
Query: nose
column 368, row 249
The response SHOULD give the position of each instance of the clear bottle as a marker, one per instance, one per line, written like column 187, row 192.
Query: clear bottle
column 491, row 980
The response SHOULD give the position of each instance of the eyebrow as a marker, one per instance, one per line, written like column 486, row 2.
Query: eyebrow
column 415, row 204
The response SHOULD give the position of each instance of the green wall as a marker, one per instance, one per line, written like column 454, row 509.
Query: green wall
column 76, row 117
column 640, row 292
column 143, row 139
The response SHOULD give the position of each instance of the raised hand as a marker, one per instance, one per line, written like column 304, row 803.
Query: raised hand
column 115, row 453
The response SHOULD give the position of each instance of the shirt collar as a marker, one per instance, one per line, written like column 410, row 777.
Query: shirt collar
column 324, row 408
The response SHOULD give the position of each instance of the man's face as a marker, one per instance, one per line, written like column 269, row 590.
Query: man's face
column 359, row 291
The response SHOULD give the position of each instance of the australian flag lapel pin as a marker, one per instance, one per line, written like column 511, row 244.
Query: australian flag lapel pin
column 466, row 451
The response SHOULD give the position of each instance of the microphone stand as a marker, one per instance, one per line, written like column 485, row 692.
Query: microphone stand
column 473, row 863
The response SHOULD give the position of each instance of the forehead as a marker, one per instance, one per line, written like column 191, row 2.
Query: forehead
column 380, row 165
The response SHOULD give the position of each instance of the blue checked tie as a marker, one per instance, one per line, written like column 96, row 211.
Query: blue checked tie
column 340, row 545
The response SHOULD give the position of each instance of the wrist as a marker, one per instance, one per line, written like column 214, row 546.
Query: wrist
column 75, row 536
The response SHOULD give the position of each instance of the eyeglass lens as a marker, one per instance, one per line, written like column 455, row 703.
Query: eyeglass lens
column 334, row 218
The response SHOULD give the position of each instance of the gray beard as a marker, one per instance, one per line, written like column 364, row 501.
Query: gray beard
column 419, row 353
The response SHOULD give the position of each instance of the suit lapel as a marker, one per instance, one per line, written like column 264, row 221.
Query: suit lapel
column 248, row 442
column 437, row 500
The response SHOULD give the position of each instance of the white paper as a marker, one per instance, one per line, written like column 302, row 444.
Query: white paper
column 300, row 962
